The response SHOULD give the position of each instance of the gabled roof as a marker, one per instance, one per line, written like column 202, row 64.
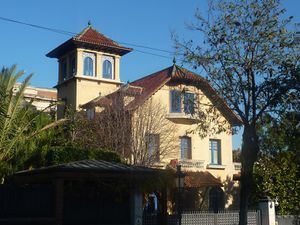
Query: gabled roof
column 108, row 100
column 172, row 75
column 89, row 38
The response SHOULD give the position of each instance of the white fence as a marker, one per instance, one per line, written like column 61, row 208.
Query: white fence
column 205, row 218
column 288, row 220
column 221, row 218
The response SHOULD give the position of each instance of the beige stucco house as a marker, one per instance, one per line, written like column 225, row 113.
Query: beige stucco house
column 89, row 79
column 43, row 99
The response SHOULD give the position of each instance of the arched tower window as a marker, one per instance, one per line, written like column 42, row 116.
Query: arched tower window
column 107, row 68
column 88, row 64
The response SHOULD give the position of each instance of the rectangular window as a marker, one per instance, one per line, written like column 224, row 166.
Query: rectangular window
column 64, row 70
column 90, row 113
column 215, row 151
column 189, row 103
column 185, row 148
column 73, row 66
column 153, row 147
column 175, row 101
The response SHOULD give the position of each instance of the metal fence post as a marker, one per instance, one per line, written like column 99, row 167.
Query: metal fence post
column 215, row 218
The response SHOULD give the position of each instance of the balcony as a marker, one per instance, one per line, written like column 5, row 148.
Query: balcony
column 182, row 117
column 189, row 163
column 215, row 166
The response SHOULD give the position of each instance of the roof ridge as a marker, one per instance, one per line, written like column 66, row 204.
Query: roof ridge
column 150, row 75
column 90, row 38
column 79, row 35
column 89, row 27
column 173, row 70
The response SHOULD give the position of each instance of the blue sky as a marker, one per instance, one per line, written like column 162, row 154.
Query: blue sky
column 147, row 23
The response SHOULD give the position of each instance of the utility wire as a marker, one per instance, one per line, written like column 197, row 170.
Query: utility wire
column 149, row 53
column 69, row 33
column 40, row 27
column 147, row 47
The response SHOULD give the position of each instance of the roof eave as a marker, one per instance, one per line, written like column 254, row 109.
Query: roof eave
column 75, row 43
column 61, row 49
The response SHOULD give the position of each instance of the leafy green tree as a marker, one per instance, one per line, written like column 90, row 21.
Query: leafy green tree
column 14, row 116
column 250, row 56
column 30, row 138
column 65, row 154
column 60, row 144
column 280, row 134
column 278, row 177
column 19, row 121
column 277, row 171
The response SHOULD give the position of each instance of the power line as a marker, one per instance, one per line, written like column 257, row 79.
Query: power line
column 38, row 26
column 147, row 47
column 69, row 33
column 149, row 53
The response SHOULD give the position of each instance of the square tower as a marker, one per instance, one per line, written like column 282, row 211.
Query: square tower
column 89, row 66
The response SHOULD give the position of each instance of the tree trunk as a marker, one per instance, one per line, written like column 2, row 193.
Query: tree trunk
column 250, row 149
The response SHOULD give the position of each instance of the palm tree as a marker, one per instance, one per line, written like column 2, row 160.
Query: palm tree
column 14, row 119
column 17, row 120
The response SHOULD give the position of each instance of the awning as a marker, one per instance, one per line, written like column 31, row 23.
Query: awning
column 201, row 179
column 237, row 176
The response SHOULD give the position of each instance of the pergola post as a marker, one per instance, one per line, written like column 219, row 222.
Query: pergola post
column 136, row 207
column 164, row 207
column 59, row 201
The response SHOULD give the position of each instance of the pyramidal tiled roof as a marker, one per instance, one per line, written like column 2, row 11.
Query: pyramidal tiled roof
column 90, row 35
column 89, row 38
column 172, row 75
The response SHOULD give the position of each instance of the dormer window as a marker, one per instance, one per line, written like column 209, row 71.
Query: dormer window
column 107, row 67
column 88, row 64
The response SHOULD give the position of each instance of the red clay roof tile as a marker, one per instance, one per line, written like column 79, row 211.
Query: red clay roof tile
column 89, row 38
column 47, row 94
column 92, row 36
column 175, row 75
column 200, row 179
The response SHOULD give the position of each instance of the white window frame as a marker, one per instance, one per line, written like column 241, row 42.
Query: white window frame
column 112, row 61
column 188, row 150
column 214, row 161
column 153, row 146
column 93, row 57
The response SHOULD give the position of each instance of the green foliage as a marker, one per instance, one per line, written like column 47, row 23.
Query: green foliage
column 14, row 117
column 65, row 154
column 278, row 178
column 278, row 134
column 58, row 145
column 29, row 138
column 278, row 170
column 250, row 54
